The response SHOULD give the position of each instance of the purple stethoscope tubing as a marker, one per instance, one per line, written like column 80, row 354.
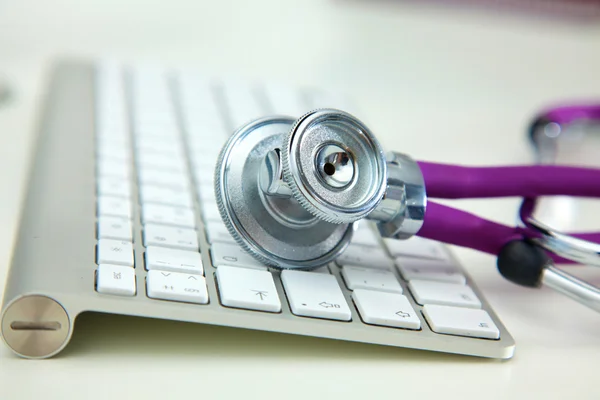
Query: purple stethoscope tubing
column 461, row 228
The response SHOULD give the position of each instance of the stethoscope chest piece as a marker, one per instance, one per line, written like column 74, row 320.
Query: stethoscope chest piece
column 259, row 209
column 290, row 190
column 334, row 166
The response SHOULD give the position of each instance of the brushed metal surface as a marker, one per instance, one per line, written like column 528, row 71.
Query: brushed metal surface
column 35, row 326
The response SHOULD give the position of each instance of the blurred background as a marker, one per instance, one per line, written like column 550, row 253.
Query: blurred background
column 435, row 69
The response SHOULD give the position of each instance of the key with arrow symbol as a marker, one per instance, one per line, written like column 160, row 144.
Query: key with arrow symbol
column 260, row 293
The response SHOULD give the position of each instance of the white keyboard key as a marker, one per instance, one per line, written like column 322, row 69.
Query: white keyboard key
column 387, row 309
column 450, row 294
column 107, row 151
column 176, row 286
column 242, row 102
column 176, row 216
column 430, row 270
column 110, row 104
column 373, row 257
column 199, row 108
column 113, row 127
column 161, row 162
column 157, row 177
column 201, row 146
column 210, row 212
column 153, row 145
column 365, row 236
column 232, row 255
column 113, row 140
column 417, row 247
column 115, row 228
column 205, row 175
column 117, row 252
column 165, row 195
column 206, row 193
column 203, row 163
column 115, row 279
column 461, row 321
column 247, row 288
column 114, row 168
column 217, row 232
column 109, row 186
column 114, row 206
column 174, row 260
column 167, row 236
column 315, row 295
column 370, row 278
column 158, row 125
column 322, row 270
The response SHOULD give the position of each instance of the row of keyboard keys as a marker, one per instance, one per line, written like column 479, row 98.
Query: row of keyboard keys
column 114, row 250
column 433, row 279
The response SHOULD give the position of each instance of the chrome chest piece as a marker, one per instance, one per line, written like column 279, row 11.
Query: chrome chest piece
column 290, row 190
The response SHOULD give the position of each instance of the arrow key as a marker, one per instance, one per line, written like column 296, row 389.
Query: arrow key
column 386, row 309
column 247, row 288
column 176, row 286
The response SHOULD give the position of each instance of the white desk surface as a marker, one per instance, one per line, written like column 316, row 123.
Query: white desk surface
column 439, row 83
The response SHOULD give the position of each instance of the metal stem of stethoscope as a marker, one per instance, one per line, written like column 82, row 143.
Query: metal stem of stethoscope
column 290, row 190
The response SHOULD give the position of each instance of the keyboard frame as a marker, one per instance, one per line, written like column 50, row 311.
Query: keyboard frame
column 54, row 251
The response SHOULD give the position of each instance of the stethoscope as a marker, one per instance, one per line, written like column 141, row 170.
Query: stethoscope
column 290, row 191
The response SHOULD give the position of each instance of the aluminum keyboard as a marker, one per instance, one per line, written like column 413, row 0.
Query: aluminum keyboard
column 161, row 243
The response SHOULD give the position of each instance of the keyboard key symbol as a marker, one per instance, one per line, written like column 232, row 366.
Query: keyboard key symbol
column 403, row 314
column 116, row 275
column 261, row 293
column 483, row 325
column 328, row 305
